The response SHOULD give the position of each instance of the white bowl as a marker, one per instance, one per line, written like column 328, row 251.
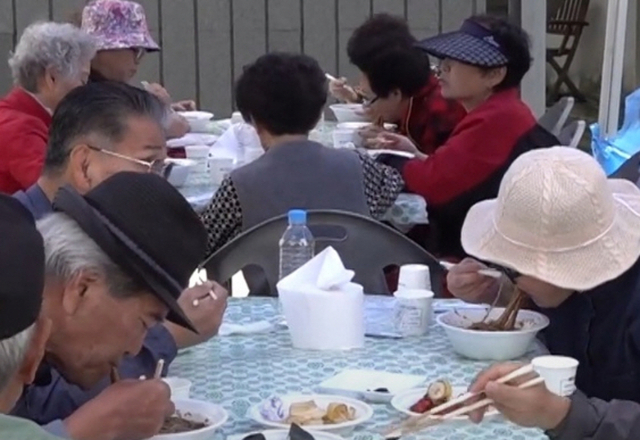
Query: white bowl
column 199, row 411
column 486, row 345
column 361, row 125
column 349, row 112
column 405, row 400
column 180, row 171
column 283, row 434
column 198, row 121
column 363, row 412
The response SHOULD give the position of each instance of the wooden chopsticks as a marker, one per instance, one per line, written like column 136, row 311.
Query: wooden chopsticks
column 418, row 423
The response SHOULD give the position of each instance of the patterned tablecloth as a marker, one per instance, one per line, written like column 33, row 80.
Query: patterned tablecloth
column 239, row 371
column 409, row 209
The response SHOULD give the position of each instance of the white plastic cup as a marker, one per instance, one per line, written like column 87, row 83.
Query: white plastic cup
column 414, row 276
column 344, row 139
column 180, row 388
column 558, row 372
column 219, row 168
column 413, row 311
column 199, row 154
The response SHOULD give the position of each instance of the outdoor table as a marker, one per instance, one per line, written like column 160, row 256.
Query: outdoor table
column 408, row 210
column 239, row 371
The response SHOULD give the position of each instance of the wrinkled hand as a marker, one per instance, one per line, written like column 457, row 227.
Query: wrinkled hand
column 371, row 131
column 127, row 410
column 534, row 407
column 342, row 92
column 184, row 106
column 178, row 126
column 159, row 92
column 464, row 282
column 206, row 316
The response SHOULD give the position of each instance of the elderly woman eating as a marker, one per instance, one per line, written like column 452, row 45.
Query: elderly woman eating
column 50, row 60
column 397, row 83
column 570, row 239
column 123, row 39
column 482, row 66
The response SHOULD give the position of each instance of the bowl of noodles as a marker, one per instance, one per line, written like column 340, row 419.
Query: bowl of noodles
column 473, row 335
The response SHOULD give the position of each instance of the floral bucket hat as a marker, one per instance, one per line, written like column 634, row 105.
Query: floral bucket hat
column 117, row 24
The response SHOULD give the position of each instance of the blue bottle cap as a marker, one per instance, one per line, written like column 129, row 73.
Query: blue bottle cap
column 297, row 217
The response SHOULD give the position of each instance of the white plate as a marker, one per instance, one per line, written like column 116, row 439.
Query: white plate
column 376, row 153
column 283, row 434
column 405, row 400
column 363, row 412
column 360, row 384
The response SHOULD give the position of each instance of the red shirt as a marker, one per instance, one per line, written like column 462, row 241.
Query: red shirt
column 24, row 130
column 430, row 118
column 469, row 167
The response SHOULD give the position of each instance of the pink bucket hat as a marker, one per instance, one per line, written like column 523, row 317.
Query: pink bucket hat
column 117, row 24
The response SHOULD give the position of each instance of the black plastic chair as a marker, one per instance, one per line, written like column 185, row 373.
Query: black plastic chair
column 365, row 245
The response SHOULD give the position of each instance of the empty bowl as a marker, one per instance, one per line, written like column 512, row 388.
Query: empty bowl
column 491, row 345
column 349, row 112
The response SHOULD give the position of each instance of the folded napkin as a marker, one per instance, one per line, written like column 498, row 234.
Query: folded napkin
column 228, row 329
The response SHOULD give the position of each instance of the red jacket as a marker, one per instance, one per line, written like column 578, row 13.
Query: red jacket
column 430, row 118
column 468, row 168
column 24, row 130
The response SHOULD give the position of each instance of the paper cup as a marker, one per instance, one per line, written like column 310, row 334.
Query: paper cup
column 344, row 139
column 412, row 312
column 414, row 276
column 199, row 154
column 180, row 388
column 219, row 168
column 558, row 372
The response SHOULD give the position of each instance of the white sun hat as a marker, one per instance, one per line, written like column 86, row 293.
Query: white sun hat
column 558, row 219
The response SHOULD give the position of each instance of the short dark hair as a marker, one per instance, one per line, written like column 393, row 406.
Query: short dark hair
column 384, row 49
column 515, row 45
column 283, row 92
column 98, row 107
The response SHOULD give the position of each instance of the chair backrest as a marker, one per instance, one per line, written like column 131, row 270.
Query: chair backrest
column 556, row 116
column 571, row 135
column 569, row 14
column 366, row 246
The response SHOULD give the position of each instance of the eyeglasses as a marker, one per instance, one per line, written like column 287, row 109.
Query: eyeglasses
column 157, row 166
column 512, row 275
column 138, row 53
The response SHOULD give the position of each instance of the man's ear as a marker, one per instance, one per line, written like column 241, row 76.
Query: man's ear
column 35, row 350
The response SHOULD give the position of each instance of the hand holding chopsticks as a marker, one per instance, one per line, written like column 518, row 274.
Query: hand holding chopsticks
column 431, row 418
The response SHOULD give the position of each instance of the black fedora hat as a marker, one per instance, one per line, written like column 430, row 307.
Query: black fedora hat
column 21, row 268
column 472, row 44
column 146, row 227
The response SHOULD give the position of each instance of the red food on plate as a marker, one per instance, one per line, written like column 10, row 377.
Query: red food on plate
column 422, row 406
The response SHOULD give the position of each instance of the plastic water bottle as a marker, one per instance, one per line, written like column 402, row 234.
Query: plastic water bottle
column 297, row 245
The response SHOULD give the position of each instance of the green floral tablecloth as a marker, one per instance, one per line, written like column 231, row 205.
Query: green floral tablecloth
column 241, row 370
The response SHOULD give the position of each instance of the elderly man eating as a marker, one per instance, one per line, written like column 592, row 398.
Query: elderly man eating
column 97, row 131
column 112, row 272
column 50, row 60
column 570, row 239
column 23, row 332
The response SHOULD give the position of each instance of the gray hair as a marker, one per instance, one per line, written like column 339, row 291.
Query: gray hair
column 43, row 45
column 69, row 251
column 12, row 353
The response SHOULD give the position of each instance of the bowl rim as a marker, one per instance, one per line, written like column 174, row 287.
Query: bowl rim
column 197, row 114
column 346, row 106
column 501, row 334
column 212, row 427
column 254, row 412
